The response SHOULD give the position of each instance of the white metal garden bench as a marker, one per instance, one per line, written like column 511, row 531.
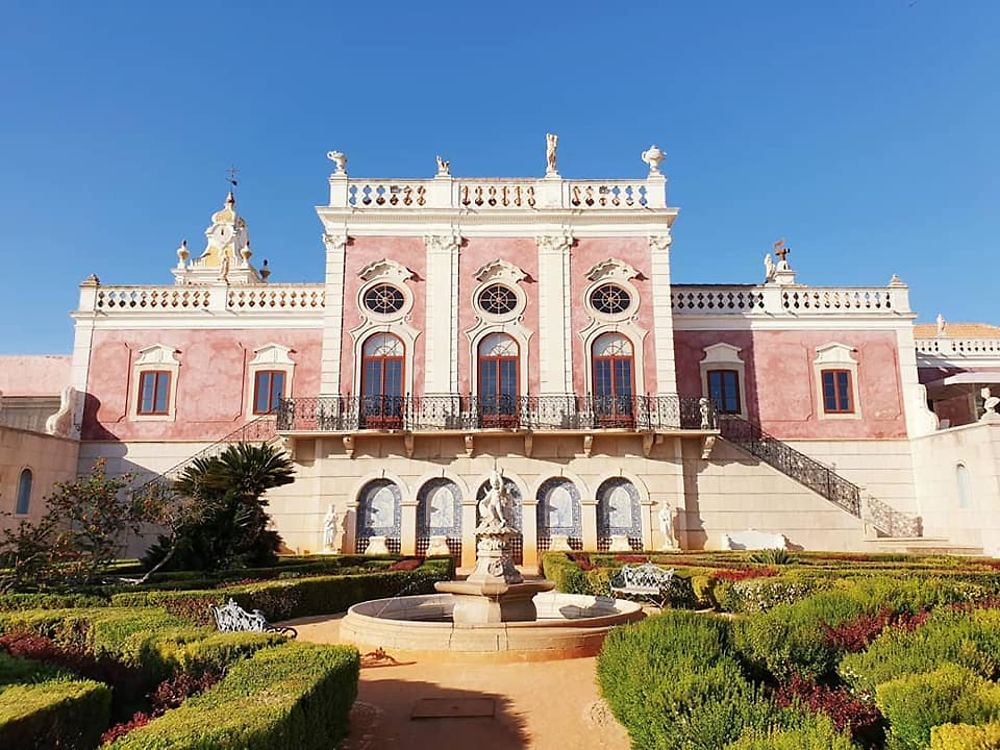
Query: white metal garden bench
column 646, row 581
column 232, row 618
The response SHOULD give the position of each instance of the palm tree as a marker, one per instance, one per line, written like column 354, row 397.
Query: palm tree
column 224, row 523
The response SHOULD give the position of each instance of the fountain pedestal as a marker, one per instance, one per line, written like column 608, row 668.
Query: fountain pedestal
column 495, row 591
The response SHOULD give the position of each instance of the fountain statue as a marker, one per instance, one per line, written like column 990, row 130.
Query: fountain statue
column 495, row 591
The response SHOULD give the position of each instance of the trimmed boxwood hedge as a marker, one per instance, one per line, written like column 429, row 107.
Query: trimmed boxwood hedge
column 293, row 696
column 43, row 708
column 285, row 599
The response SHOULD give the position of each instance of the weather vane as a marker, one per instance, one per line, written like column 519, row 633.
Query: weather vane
column 232, row 172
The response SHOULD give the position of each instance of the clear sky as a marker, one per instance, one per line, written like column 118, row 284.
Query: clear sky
column 863, row 131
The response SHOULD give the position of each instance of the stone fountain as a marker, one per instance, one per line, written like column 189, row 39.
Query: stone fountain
column 494, row 610
column 495, row 591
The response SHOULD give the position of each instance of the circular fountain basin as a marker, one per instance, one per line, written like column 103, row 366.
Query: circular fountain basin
column 567, row 626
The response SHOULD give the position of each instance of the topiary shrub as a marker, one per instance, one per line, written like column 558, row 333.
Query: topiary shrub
column 968, row 638
column 293, row 696
column 814, row 733
column 966, row 737
column 568, row 576
column 915, row 704
column 749, row 595
column 673, row 683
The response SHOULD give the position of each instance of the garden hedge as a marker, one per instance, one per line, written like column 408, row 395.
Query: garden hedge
column 285, row 599
column 42, row 708
column 292, row 696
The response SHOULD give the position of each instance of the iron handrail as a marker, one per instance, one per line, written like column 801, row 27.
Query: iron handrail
column 457, row 412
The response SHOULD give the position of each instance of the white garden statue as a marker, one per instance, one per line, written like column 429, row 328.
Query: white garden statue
column 666, row 519
column 334, row 530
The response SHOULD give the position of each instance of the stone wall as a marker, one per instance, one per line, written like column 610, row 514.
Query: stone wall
column 51, row 459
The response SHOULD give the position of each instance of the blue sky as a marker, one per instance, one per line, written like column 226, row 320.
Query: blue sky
column 863, row 131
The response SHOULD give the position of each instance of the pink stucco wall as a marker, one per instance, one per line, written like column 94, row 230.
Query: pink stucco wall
column 585, row 255
column 42, row 375
column 781, row 385
column 408, row 251
column 211, row 387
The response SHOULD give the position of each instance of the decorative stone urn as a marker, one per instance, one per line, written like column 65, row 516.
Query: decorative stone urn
column 495, row 591
column 559, row 543
column 438, row 545
column 619, row 543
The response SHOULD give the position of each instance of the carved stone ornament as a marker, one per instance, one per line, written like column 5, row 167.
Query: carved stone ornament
column 557, row 243
column 385, row 269
column 444, row 167
column 660, row 241
column 653, row 156
column 612, row 268
column 335, row 241
column 500, row 270
column 443, row 243
column 339, row 159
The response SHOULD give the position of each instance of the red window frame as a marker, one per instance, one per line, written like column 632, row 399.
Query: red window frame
column 616, row 416
column 502, row 414
column 387, row 412
column 157, row 375
column 842, row 385
column 272, row 402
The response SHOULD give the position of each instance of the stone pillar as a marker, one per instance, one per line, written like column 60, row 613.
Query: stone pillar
column 555, row 343
column 83, row 339
column 441, row 331
column 468, row 535
column 529, row 531
column 663, row 314
column 333, row 313
column 588, row 520
column 648, row 521
column 408, row 527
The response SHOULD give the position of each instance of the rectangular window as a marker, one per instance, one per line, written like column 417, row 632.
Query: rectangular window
column 154, row 392
column 268, row 390
column 724, row 390
column 837, row 392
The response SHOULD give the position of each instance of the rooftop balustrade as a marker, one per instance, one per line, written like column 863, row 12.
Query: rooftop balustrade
column 213, row 298
column 954, row 347
column 470, row 413
column 791, row 299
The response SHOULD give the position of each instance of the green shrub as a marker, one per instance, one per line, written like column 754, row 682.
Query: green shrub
column 762, row 594
column 815, row 732
column 673, row 684
column 915, row 704
column 971, row 639
column 966, row 737
column 568, row 576
column 292, row 696
column 790, row 637
column 284, row 599
column 15, row 602
column 57, row 713
column 775, row 556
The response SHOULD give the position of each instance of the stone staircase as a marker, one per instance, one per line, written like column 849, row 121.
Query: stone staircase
column 886, row 521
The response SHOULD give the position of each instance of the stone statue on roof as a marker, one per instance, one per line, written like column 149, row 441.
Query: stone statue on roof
column 551, row 144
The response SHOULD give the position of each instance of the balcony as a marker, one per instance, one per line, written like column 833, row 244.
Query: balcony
column 464, row 414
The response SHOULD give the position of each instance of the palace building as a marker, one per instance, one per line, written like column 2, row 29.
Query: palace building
column 529, row 325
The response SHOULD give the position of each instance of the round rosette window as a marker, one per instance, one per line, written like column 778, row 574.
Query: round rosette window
column 610, row 299
column 496, row 299
column 384, row 299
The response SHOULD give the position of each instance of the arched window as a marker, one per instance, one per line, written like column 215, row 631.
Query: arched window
column 618, row 513
column 382, row 382
column 24, row 492
column 964, row 486
column 379, row 514
column 613, row 363
column 499, row 366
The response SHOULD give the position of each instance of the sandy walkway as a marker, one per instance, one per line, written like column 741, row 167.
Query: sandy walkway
column 536, row 705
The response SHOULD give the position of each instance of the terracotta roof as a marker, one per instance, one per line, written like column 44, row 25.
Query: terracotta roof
column 957, row 331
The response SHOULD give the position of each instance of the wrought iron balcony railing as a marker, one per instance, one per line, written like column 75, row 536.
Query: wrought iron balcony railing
column 454, row 412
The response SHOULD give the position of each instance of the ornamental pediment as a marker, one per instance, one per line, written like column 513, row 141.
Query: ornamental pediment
column 385, row 269
column 157, row 354
column 612, row 268
column 500, row 270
